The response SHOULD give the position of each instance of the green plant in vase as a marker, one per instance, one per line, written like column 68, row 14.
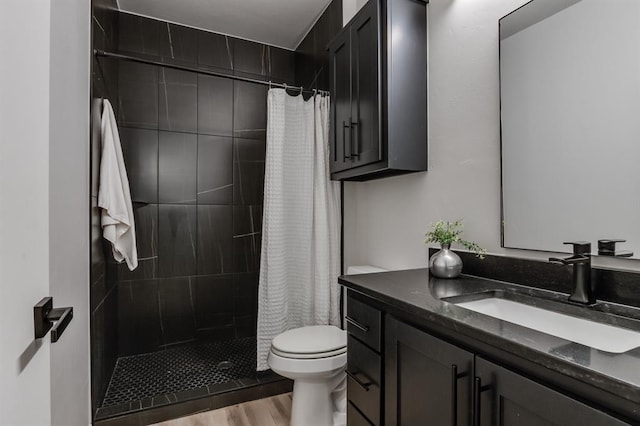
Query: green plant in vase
column 446, row 263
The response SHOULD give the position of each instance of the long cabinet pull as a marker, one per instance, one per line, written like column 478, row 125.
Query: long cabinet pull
column 455, row 376
column 477, row 400
column 346, row 125
column 355, row 152
column 356, row 324
column 363, row 385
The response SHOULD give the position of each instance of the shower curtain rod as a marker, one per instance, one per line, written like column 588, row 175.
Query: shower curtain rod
column 203, row 71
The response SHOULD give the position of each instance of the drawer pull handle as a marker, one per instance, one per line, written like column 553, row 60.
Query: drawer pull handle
column 356, row 324
column 363, row 385
column 455, row 376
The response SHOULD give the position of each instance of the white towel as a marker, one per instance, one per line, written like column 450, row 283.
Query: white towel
column 114, row 197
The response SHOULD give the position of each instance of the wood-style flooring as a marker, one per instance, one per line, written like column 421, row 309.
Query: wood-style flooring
column 274, row 411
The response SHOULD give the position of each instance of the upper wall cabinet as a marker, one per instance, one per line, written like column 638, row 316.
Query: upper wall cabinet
column 379, row 92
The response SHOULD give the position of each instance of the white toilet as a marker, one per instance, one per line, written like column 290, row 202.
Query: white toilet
column 315, row 358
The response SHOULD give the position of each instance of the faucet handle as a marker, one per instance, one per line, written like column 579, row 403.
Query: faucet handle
column 608, row 248
column 580, row 247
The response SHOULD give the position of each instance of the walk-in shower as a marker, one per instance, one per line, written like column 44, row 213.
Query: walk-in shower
column 177, row 334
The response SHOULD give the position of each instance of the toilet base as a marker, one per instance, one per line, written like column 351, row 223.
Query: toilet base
column 313, row 401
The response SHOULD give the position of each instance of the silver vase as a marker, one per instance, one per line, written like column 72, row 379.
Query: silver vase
column 445, row 263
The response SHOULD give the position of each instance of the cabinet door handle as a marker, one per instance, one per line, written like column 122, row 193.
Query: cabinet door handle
column 344, row 141
column 355, row 152
column 363, row 385
column 356, row 324
column 455, row 376
column 477, row 400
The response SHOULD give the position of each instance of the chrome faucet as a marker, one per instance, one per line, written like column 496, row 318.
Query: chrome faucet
column 581, row 262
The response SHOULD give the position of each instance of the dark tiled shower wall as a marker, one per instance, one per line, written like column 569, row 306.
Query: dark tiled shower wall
column 312, row 57
column 194, row 147
column 104, row 298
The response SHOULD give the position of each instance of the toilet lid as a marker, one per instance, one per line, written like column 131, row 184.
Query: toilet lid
column 311, row 340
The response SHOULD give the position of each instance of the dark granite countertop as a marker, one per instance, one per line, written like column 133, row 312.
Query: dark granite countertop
column 417, row 294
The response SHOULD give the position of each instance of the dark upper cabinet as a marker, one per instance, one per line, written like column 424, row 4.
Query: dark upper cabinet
column 509, row 399
column 427, row 381
column 379, row 92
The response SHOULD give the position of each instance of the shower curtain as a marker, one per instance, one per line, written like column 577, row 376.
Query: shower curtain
column 300, row 259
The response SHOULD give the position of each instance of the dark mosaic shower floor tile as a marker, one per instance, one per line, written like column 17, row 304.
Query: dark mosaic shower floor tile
column 181, row 373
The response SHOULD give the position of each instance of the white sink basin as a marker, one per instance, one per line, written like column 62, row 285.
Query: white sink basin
column 589, row 333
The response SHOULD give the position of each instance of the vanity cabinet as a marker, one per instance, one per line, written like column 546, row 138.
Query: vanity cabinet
column 378, row 76
column 400, row 374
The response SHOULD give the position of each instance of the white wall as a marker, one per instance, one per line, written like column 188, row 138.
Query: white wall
column 24, row 209
column 69, row 206
column 385, row 220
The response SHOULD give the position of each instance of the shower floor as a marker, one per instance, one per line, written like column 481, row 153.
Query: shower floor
column 181, row 373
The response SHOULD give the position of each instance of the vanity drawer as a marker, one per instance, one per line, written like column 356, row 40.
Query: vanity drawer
column 364, row 322
column 363, row 379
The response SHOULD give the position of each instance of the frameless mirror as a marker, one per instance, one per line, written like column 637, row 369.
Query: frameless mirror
column 570, row 124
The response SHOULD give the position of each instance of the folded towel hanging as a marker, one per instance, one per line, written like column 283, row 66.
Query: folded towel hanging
column 114, row 197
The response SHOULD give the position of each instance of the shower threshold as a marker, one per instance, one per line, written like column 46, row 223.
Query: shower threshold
column 182, row 373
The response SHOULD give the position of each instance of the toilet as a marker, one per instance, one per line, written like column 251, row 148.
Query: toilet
column 314, row 357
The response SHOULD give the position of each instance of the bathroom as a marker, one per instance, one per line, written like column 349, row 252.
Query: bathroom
column 383, row 220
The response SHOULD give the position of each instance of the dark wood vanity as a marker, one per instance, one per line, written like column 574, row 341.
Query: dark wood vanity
column 415, row 359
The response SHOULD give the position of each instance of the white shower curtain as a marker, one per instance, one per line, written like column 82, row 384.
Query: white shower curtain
column 300, row 259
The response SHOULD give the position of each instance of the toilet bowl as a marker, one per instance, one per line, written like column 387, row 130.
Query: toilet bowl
column 314, row 357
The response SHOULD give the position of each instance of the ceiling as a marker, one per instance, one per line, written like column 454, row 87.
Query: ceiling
column 282, row 23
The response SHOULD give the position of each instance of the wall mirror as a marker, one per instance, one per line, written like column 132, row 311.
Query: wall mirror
column 570, row 124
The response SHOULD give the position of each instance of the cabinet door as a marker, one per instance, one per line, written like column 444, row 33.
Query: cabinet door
column 427, row 381
column 365, row 72
column 341, row 134
column 509, row 399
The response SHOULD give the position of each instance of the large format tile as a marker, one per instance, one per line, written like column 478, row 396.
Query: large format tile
column 214, row 301
column 215, row 249
column 282, row 65
column 178, row 100
column 146, row 224
column 251, row 59
column 178, row 43
column 215, row 170
column 247, row 238
column 140, row 151
column 138, row 317
column 138, row 34
column 248, row 183
column 305, row 65
column 104, row 345
column 245, row 294
column 216, row 51
column 249, row 150
column 250, row 110
column 137, row 95
column 215, row 105
column 324, row 33
column 177, row 168
column 177, row 240
column 247, row 220
column 177, row 309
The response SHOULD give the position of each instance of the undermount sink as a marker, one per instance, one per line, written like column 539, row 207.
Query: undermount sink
column 595, row 334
